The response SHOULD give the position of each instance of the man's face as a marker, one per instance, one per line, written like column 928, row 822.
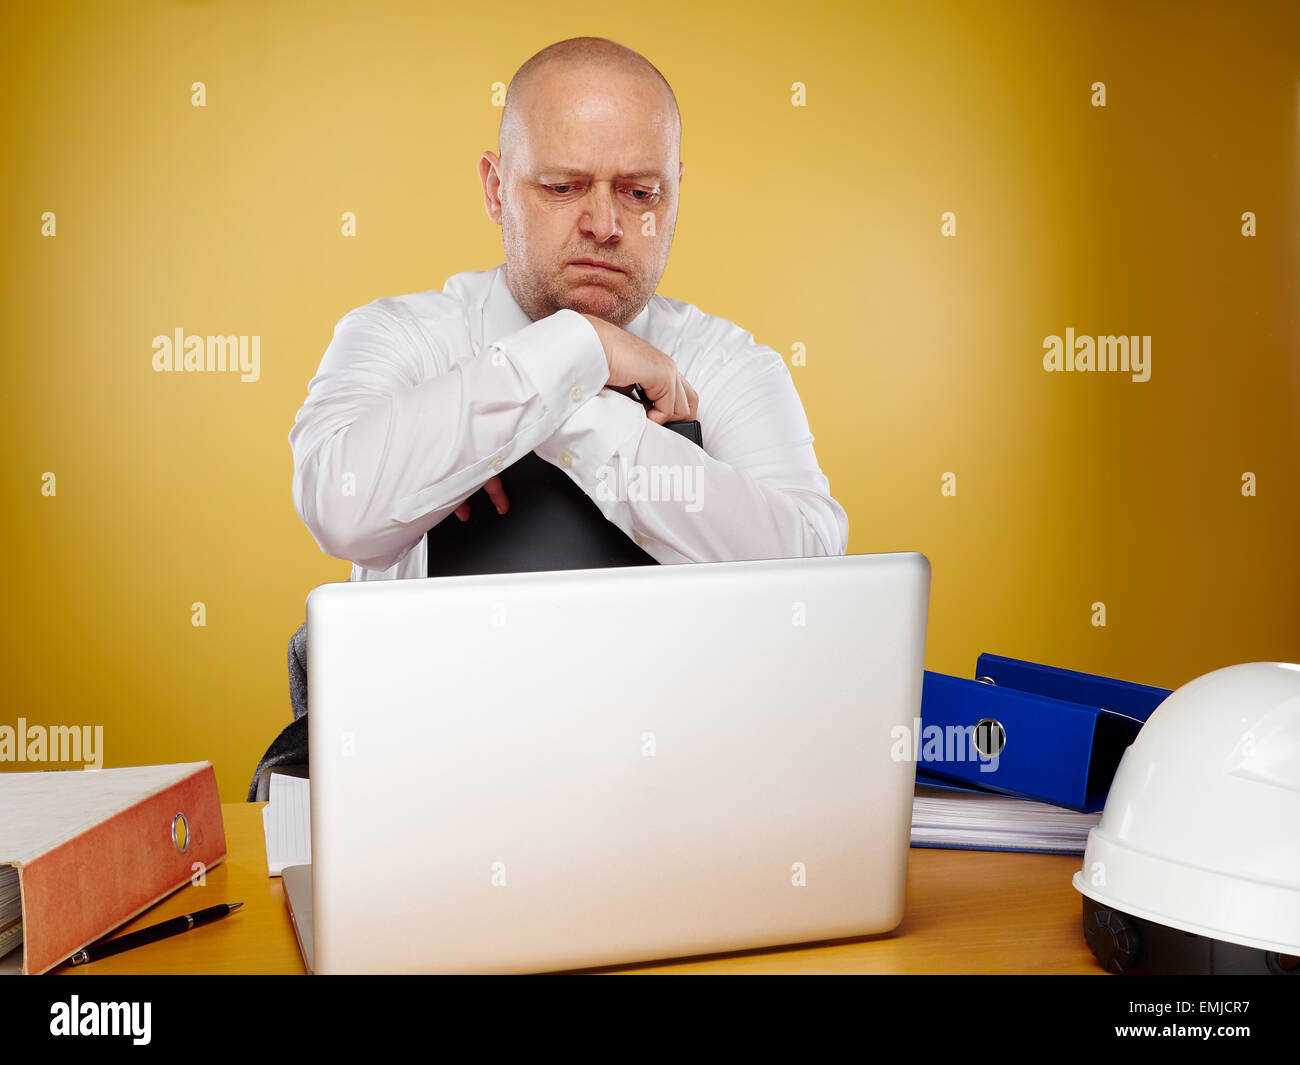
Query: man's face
column 592, row 174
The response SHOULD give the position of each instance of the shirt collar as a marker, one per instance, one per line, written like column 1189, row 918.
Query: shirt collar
column 503, row 316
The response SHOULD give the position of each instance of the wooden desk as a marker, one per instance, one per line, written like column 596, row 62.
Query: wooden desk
column 967, row 912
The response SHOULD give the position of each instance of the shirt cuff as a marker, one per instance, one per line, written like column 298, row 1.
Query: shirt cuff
column 561, row 356
column 584, row 446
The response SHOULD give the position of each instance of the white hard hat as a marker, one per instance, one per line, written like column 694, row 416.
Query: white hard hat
column 1200, row 836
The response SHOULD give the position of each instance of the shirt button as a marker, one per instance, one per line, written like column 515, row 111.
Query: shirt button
column 575, row 393
column 497, row 464
column 638, row 539
column 566, row 460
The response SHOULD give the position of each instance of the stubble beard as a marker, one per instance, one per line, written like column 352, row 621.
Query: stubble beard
column 541, row 294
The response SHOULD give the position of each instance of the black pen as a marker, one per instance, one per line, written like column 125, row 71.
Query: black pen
column 153, row 933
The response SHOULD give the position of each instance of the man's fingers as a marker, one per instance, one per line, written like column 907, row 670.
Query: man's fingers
column 678, row 406
column 662, row 411
column 683, row 412
column 633, row 361
column 497, row 493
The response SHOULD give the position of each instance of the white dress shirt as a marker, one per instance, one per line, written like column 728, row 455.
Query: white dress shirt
column 420, row 399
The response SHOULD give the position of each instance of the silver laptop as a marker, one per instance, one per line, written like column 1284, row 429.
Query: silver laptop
column 560, row 770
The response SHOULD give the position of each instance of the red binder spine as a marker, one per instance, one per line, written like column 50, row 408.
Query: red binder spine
column 84, row 888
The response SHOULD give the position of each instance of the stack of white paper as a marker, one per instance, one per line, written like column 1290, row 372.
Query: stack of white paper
column 945, row 818
column 11, row 910
column 286, row 820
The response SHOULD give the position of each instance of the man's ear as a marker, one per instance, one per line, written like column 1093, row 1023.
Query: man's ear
column 681, row 172
column 489, row 173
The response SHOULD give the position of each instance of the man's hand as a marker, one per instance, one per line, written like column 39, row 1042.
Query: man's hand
column 634, row 362
column 496, row 492
column 631, row 362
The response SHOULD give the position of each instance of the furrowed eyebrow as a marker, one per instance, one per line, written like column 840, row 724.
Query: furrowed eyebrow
column 568, row 172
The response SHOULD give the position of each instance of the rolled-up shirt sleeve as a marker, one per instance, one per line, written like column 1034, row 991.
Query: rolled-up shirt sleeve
column 754, row 491
column 404, row 420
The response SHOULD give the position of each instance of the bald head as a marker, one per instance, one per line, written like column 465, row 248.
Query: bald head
column 585, row 188
column 581, row 59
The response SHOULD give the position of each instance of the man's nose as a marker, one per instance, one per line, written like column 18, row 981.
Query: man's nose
column 600, row 218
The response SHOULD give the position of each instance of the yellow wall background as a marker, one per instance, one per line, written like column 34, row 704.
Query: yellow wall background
column 817, row 225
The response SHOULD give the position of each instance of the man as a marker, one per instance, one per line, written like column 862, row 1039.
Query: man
column 422, row 400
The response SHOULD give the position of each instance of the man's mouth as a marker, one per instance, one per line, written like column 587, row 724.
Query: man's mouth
column 595, row 264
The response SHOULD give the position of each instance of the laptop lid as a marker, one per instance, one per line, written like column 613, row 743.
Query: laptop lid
column 557, row 770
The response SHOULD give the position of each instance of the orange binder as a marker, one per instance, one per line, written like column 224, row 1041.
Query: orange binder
column 92, row 849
